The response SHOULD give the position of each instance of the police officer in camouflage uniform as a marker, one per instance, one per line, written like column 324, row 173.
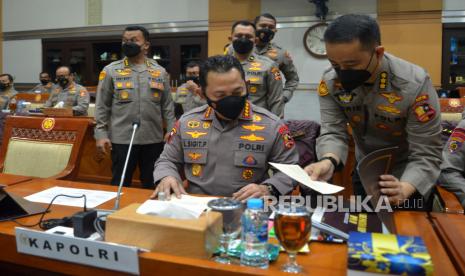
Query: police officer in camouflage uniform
column 70, row 93
column 223, row 149
column 45, row 86
column 266, row 29
column 186, row 94
column 387, row 101
column 452, row 175
column 262, row 74
column 133, row 90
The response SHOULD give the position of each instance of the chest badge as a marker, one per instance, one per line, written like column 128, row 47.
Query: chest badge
column 392, row 97
column 196, row 134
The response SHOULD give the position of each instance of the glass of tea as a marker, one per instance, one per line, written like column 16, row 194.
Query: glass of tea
column 292, row 226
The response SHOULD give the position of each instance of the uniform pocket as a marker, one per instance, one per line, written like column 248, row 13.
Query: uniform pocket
column 156, row 88
column 124, row 95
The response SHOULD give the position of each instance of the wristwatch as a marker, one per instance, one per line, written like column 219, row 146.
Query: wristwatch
column 337, row 167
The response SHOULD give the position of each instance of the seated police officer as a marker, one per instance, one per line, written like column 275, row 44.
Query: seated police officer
column 223, row 148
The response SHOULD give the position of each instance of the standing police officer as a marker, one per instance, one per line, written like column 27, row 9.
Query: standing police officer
column 387, row 101
column 133, row 90
column 266, row 30
column 262, row 74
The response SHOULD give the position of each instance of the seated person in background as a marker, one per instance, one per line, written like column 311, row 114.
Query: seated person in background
column 187, row 93
column 7, row 90
column 224, row 147
column 45, row 86
column 452, row 175
column 70, row 93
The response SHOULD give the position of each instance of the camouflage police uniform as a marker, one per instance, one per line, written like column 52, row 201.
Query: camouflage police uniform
column 400, row 109
column 220, row 160
column 264, row 82
column 188, row 99
column 128, row 93
column 286, row 65
column 74, row 96
column 452, row 175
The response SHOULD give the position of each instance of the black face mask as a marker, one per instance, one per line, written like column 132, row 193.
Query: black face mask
column 4, row 86
column 44, row 82
column 242, row 45
column 193, row 78
column 230, row 107
column 353, row 78
column 265, row 35
column 131, row 49
column 63, row 82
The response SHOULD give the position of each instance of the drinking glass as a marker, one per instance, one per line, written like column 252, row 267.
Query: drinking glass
column 292, row 228
column 231, row 211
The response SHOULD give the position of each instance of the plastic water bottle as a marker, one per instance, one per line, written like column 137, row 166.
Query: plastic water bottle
column 254, row 235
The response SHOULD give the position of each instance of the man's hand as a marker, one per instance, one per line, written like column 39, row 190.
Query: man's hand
column 251, row 191
column 167, row 136
column 191, row 86
column 168, row 184
column 321, row 171
column 395, row 190
column 103, row 145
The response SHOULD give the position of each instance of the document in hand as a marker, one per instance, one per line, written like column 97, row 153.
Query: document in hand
column 298, row 174
column 370, row 168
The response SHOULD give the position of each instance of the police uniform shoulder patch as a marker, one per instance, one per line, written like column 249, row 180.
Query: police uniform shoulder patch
column 323, row 89
column 456, row 140
column 276, row 73
column 173, row 132
column 422, row 110
column 287, row 138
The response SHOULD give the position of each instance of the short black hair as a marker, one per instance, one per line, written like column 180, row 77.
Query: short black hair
column 243, row 23
column 350, row 27
column 44, row 72
column 144, row 31
column 10, row 77
column 218, row 64
column 192, row 64
column 67, row 67
column 266, row 15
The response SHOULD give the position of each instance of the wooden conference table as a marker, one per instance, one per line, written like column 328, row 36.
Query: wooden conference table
column 324, row 259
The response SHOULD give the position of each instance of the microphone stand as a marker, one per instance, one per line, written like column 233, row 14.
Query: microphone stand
column 135, row 125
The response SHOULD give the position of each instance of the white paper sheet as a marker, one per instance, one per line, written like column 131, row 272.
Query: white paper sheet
column 298, row 174
column 186, row 207
column 93, row 197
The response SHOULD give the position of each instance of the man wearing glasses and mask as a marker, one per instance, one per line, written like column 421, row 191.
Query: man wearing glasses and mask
column 223, row 148
column 387, row 101
column 133, row 90
column 266, row 30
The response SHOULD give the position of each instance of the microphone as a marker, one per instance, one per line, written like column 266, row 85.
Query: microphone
column 135, row 125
